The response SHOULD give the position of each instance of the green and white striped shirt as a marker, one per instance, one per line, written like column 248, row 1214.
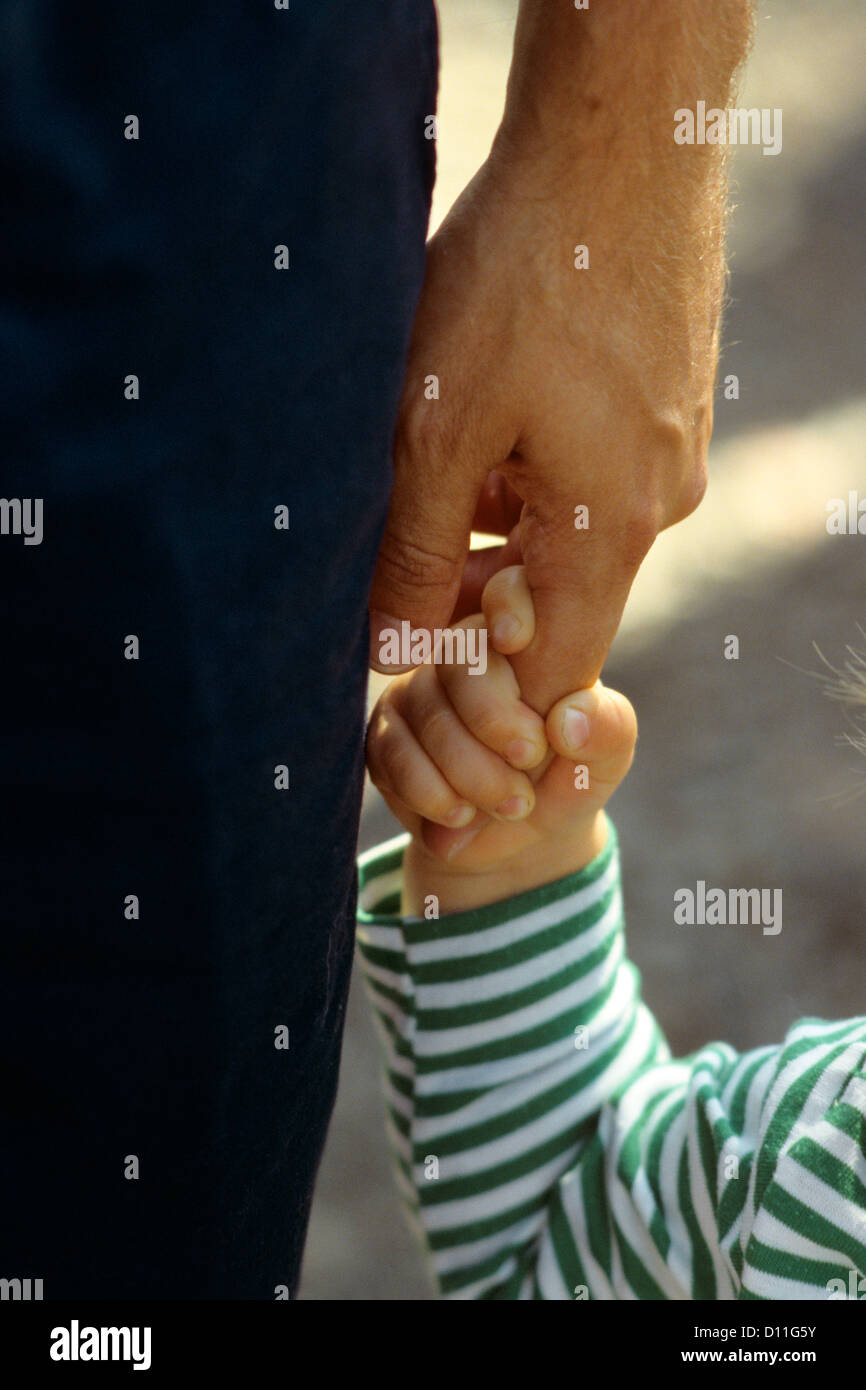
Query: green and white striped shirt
column 550, row 1148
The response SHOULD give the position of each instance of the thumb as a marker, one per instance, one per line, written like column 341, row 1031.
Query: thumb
column 423, row 551
column 579, row 583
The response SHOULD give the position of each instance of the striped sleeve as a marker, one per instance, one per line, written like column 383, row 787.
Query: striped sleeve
column 547, row 1145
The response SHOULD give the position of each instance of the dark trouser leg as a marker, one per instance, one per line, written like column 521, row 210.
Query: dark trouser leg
column 151, row 1037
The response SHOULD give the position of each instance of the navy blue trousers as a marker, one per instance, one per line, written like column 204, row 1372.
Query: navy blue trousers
column 177, row 923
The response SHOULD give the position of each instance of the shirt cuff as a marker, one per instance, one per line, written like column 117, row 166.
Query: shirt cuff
column 502, row 938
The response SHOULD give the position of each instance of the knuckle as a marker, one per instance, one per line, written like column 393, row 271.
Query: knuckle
column 692, row 492
column 433, row 721
column 431, row 428
column 437, row 805
column 420, row 428
column 502, row 587
column 394, row 755
column 489, row 727
column 684, row 448
column 408, row 566
column 495, row 787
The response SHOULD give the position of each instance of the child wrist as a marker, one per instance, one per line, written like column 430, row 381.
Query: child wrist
column 459, row 890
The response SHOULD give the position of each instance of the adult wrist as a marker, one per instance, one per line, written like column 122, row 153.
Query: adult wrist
column 592, row 80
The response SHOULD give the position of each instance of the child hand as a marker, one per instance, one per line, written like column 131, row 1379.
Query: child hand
column 450, row 750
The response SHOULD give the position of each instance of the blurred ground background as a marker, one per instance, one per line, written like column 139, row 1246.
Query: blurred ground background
column 740, row 777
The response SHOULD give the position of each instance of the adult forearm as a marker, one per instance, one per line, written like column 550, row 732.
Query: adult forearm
column 613, row 74
column 591, row 104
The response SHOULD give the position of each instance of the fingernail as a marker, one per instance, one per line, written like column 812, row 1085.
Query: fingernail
column 505, row 629
column 461, row 815
column 515, row 808
column 522, row 753
column 575, row 728
column 462, row 841
column 386, row 646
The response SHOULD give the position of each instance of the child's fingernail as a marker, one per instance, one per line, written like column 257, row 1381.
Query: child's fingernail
column 575, row 728
column 461, row 815
column 515, row 808
column 522, row 753
column 505, row 629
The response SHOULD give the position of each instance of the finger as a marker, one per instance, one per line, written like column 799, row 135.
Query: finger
column 426, row 537
column 480, row 567
column 598, row 728
column 475, row 773
column 579, row 577
column 492, row 710
column 508, row 610
column 399, row 766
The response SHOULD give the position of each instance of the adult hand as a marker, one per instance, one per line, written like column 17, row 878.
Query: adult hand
column 584, row 386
